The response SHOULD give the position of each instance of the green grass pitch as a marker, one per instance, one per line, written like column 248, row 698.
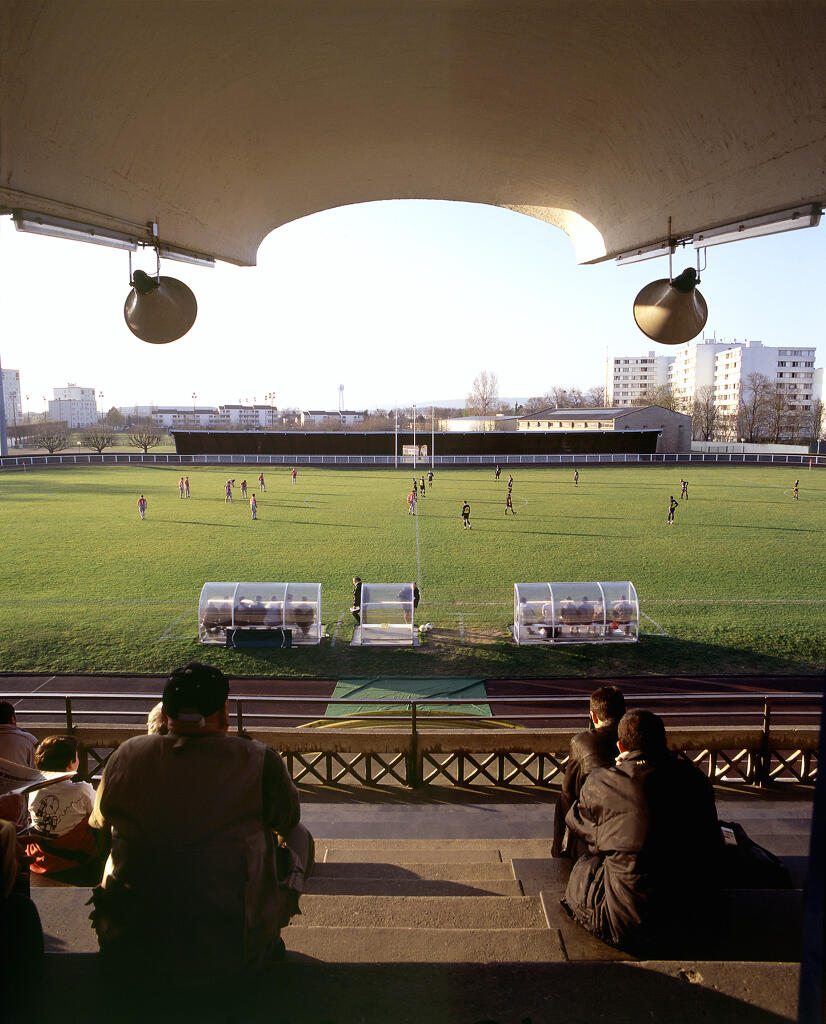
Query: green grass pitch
column 736, row 585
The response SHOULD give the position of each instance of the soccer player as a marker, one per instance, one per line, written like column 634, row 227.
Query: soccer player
column 181, row 487
column 510, row 481
column 497, row 472
column 671, row 506
column 411, row 504
column 466, row 516
column 430, row 478
column 142, row 507
column 684, row 489
column 253, row 507
column 293, row 474
column 228, row 492
column 261, row 483
column 243, row 488
column 509, row 504
column 795, row 490
column 186, row 486
column 415, row 487
column 576, row 478
column 421, row 486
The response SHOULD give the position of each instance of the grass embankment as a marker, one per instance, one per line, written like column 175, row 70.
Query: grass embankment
column 736, row 585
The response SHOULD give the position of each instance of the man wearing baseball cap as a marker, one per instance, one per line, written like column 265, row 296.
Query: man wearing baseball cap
column 193, row 878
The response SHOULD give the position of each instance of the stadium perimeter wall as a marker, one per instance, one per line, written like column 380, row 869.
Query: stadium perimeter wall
column 24, row 462
column 472, row 443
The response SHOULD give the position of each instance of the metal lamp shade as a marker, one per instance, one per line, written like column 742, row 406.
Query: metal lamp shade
column 668, row 315
column 162, row 315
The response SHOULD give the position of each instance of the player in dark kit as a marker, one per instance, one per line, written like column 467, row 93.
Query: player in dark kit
column 496, row 472
column 421, row 486
column 466, row 517
column 415, row 487
column 671, row 506
column 509, row 504
column 684, row 489
column 430, row 477
column 795, row 490
column 576, row 478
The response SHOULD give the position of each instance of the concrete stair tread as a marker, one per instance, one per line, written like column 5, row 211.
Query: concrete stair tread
column 425, row 945
column 420, row 912
column 367, row 855
column 508, row 847
column 467, row 871
column 420, row 887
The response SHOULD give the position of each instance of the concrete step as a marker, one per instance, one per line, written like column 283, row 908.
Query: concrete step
column 468, row 871
column 455, row 912
column 507, row 847
column 413, row 887
column 305, row 991
column 425, row 945
column 405, row 857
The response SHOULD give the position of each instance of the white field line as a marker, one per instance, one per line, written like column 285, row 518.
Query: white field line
column 663, row 632
column 461, row 628
column 735, row 600
column 169, row 635
column 45, row 683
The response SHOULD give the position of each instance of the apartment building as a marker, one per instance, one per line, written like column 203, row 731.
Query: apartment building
column 74, row 406
column 631, row 378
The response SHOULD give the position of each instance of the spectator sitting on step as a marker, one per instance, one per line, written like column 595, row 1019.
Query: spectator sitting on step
column 17, row 746
column 596, row 747
column 21, row 935
column 196, row 879
column 651, row 877
column 63, row 845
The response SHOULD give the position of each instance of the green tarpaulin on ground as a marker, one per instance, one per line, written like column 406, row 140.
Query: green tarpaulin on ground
column 408, row 688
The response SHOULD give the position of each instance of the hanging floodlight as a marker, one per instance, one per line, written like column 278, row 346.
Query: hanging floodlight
column 158, row 309
column 671, row 310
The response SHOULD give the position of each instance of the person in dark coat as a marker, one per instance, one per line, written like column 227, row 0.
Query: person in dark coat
column 650, row 879
column 596, row 747
column 356, row 606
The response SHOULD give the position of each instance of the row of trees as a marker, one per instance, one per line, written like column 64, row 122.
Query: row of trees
column 766, row 413
column 53, row 438
column 484, row 399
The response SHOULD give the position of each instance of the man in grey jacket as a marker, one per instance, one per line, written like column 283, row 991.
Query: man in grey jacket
column 654, row 844
column 196, row 876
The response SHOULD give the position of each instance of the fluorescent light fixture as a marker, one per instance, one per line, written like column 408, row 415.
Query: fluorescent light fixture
column 186, row 256
column 807, row 216
column 645, row 252
column 58, row 227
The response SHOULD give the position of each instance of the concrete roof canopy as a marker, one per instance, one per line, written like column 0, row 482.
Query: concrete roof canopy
column 221, row 121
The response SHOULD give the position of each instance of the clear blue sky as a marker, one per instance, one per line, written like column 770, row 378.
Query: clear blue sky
column 397, row 301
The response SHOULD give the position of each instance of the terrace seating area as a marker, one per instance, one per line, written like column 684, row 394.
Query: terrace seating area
column 461, row 924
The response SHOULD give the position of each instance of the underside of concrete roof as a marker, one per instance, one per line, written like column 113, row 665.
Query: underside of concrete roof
column 222, row 121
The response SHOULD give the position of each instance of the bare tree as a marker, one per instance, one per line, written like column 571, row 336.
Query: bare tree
column 662, row 395
column 53, row 439
column 484, row 395
column 97, row 438
column 814, row 423
column 144, row 439
column 754, row 393
column 705, row 414
column 777, row 412
column 594, row 397
column 558, row 397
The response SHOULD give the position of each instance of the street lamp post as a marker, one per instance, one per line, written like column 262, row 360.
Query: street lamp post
column 194, row 416
column 100, row 414
column 415, row 450
column 13, row 397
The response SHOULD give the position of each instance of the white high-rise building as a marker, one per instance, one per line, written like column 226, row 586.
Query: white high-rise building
column 12, row 397
column 629, row 378
column 74, row 406
column 791, row 369
column 693, row 368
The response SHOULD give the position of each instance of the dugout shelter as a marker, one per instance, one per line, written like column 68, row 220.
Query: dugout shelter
column 264, row 607
column 575, row 613
column 387, row 616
